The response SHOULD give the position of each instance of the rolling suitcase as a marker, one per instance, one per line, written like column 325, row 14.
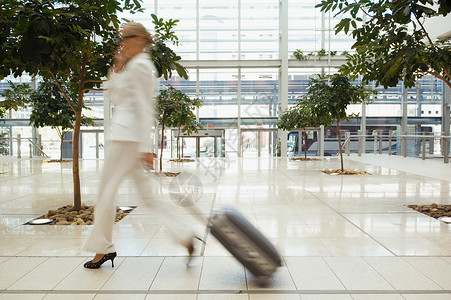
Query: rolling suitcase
column 248, row 245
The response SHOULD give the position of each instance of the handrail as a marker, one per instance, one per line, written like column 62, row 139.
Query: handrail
column 27, row 139
column 37, row 147
column 346, row 142
column 403, row 146
column 403, row 135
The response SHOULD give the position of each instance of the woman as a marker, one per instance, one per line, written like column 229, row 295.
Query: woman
column 132, row 87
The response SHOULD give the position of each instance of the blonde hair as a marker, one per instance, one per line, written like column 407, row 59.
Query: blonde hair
column 134, row 28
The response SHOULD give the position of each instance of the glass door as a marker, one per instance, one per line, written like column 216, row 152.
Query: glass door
column 259, row 143
column 205, row 143
column 91, row 144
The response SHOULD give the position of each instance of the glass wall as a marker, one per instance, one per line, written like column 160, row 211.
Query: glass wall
column 218, row 30
column 218, row 89
column 186, row 27
column 259, row 34
column 304, row 27
column 232, row 51
column 259, row 93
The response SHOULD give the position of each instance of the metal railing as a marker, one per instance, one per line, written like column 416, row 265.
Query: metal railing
column 31, row 144
column 413, row 145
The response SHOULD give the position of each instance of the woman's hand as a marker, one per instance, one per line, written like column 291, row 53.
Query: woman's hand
column 120, row 60
column 148, row 160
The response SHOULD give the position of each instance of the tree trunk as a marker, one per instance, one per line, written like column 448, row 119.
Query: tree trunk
column 305, row 142
column 76, row 135
column 178, row 144
column 299, row 145
column 339, row 146
column 75, row 157
column 162, row 146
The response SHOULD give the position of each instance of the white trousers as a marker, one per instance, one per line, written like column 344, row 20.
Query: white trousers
column 122, row 159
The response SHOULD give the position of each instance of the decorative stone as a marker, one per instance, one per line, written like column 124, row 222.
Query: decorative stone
column 344, row 172
column 433, row 210
column 304, row 159
column 62, row 223
column 66, row 215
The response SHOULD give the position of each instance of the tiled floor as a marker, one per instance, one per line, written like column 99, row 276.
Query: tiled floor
column 341, row 237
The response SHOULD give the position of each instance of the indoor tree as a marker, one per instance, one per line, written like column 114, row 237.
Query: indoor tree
column 329, row 96
column 391, row 40
column 49, row 108
column 299, row 116
column 15, row 97
column 164, row 58
column 72, row 41
column 176, row 109
column 68, row 40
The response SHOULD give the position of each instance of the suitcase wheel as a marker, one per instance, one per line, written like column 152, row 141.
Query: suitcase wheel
column 262, row 281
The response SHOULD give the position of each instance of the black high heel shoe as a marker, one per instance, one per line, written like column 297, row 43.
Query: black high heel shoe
column 106, row 257
column 190, row 247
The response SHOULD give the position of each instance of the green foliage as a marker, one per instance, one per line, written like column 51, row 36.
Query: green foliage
column 75, row 38
column 48, row 104
column 73, row 41
column 299, row 116
column 176, row 109
column 287, row 121
column 164, row 58
column 329, row 96
column 69, row 36
column 299, row 54
column 50, row 108
column 321, row 52
column 391, row 41
column 163, row 29
column 16, row 96
column 325, row 103
column 69, row 39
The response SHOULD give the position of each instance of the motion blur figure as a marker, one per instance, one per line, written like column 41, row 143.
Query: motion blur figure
column 132, row 87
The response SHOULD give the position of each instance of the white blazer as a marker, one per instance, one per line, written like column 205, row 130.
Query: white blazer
column 133, row 93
